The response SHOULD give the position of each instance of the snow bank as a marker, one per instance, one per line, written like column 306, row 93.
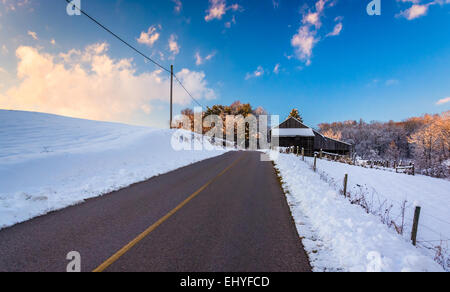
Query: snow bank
column 432, row 194
column 339, row 236
column 49, row 162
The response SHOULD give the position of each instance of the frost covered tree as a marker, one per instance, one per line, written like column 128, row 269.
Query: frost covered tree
column 432, row 146
column 393, row 152
column 424, row 140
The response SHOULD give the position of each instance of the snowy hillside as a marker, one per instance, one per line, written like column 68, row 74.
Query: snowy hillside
column 339, row 236
column 49, row 162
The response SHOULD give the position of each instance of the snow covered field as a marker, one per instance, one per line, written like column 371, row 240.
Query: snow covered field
column 49, row 162
column 339, row 236
column 389, row 190
column 432, row 194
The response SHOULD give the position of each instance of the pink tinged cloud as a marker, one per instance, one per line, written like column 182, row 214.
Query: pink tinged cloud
column 150, row 37
column 304, row 42
column 217, row 9
column 415, row 11
column 90, row 84
column 174, row 47
column 308, row 34
column 259, row 72
column 276, row 70
column 313, row 19
column 336, row 31
column 443, row 101
column 178, row 6
column 33, row 35
column 199, row 60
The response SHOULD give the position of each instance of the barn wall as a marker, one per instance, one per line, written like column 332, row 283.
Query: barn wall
column 302, row 142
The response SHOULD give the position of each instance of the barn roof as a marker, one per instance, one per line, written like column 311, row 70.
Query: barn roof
column 307, row 132
column 325, row 137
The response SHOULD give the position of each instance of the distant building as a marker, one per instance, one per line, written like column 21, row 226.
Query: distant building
column 292, row 132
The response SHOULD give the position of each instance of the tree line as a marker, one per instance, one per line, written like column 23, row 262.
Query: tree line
column 424, row 140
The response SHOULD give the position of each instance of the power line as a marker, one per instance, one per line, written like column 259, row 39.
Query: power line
column 134, row 49
column 119, row 38
column 176, row 78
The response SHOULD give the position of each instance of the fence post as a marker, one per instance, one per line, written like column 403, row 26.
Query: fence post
column 415, row 226
column 303, row 154
column 298, row 151
column 345, row 184
column 321, row 153
column 315, row 162
column 413, row 169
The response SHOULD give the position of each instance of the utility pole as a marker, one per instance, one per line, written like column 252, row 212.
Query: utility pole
column 171, row 95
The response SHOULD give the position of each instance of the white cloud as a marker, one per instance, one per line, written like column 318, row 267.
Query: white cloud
column 178, row 6
column 90, row 84
column 304, row 42
column 443, row 101
column 257, row 73
column 196, row 83
column 174, row 47
column 337, row 30
column 12, row 5
column 218, row 8
column 418, row 10
column 308, row 35
column 150, row 37
column 312, row 18
column 276, row 70
column 414, row 12
column 33, row 35
column 199, row 60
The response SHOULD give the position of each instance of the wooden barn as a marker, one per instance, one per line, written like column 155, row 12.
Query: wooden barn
column 292, row 132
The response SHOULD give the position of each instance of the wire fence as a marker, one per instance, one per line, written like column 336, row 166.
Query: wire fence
column 398, row 215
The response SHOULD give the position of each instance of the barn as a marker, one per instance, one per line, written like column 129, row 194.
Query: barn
column 293, row 132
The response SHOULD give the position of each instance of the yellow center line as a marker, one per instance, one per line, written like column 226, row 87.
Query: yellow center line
column 135, row 241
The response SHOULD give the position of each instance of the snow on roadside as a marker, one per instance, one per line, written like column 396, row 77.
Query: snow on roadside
column 390, row 190
column 432, row 194
column 339, row 236
column 49, row 162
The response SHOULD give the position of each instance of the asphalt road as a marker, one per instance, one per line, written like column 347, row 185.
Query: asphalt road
column 226, row 214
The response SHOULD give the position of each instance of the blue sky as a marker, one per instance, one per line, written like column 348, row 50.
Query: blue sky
column 334, row 62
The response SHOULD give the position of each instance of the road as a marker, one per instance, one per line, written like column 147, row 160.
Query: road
column 225, row 214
